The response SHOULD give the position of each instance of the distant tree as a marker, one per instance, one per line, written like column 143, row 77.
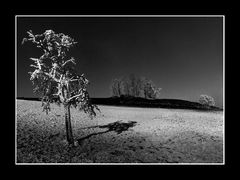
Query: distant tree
column 150, row 91
column 206, row 100
column 138, row 87
column 125, row 86
column 116, row 87
column 55, row 77
column 135, row 85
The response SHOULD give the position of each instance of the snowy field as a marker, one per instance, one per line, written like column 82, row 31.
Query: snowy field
column 141, row 135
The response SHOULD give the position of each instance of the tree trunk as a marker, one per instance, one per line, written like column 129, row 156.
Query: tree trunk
column 68, row 124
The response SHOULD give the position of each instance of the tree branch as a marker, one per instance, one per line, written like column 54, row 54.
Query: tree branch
column 37, row 61
column 68, row 100
column 34, row 66
column 70, row 60
column 54, row 78
column 71, row 80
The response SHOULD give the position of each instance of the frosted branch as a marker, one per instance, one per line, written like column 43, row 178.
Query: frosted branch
column 74, row 97
column 54, row 78
column 70, row 60
column 37, row 61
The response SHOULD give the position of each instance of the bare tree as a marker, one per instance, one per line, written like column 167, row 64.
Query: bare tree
column 116, row 87
column 150, row 91
column 55, row 77
column 125, row 86
column 138, row 87
column 135, row 85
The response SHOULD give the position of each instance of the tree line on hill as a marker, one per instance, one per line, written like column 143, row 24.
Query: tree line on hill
column 133, row 86
column 141, row 87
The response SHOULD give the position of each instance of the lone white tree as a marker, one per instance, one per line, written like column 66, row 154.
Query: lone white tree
column 206, row 100
column 55, row 77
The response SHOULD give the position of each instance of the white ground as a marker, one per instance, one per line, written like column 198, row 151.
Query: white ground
column 159, row 136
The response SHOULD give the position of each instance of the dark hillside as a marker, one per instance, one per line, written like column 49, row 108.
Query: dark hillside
column 148, row 103
column 157, row 103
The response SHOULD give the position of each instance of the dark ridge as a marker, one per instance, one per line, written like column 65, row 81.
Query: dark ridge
column 29, row 98
column 147, row 103
column 152, row 103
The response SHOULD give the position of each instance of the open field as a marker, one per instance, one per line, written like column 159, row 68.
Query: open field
column 119, row 134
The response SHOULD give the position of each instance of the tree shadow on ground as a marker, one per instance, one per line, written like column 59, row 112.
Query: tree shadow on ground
column 117, row 127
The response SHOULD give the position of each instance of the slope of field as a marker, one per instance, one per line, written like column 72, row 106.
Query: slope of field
column 119, row 134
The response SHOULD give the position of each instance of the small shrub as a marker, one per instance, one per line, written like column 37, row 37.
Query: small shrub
column 206, row 100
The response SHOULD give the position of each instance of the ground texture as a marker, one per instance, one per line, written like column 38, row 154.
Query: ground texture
column 119, row 135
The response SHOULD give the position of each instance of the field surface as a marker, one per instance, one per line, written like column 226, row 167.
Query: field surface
column 119, row 135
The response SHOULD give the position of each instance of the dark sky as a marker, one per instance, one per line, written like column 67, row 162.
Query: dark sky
column 182, row 55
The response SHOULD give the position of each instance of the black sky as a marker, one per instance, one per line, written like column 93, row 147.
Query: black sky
column 182, row 55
